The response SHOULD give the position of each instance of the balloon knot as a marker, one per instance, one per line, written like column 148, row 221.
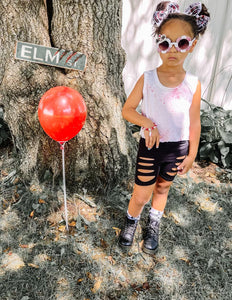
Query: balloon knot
column 61, row 145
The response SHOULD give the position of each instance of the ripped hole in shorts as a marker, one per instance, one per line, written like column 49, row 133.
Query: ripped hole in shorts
column 147, row 158
column 171, row 174
column 146, row 178
column 145, row 172
column 182, row 157
column 177, row 164
column 144, row 164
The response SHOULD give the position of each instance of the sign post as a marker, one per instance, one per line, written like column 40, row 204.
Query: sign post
column 50, row 56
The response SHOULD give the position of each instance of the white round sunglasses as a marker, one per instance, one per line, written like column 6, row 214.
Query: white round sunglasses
column 182, row 44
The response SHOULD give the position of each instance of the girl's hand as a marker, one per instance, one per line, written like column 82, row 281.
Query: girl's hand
column 185, row 166
column 152, row 137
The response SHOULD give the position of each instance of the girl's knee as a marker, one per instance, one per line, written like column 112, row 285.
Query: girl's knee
column 142, row 195
column 140, row 199
column 162, row 186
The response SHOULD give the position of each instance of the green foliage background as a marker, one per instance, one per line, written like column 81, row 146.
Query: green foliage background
column 216, row 135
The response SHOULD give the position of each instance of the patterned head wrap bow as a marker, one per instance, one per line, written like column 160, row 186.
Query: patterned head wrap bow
column 194, row 10
column 161, row 15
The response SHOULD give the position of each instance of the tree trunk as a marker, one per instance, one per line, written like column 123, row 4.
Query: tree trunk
column 104, row 150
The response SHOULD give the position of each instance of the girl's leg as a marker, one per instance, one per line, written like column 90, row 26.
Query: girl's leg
column 159, row 200
column 160, row 194
column 172, row 155
column 141, row 195
column 145, row 177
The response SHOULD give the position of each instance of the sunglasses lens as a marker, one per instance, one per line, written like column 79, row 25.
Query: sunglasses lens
column 164, row 46
column 183, row 44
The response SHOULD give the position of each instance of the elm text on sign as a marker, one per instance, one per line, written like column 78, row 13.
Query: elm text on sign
column 50, row 56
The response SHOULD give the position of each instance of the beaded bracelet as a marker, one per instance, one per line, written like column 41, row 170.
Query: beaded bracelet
column 150, row 129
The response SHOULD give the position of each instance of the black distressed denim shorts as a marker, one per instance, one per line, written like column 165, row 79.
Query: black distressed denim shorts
column 162, row 161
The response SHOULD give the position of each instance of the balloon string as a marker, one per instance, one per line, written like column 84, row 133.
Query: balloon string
column 64, row 185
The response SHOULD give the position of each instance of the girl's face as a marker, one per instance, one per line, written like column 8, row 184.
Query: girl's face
column 174, row 29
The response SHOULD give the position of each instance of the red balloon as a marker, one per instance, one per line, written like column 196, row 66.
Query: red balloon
column 62, row 113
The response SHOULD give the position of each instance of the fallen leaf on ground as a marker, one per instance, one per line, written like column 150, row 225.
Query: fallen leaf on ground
column 33, row 266
column 97, row 285
column 104, row 244
column 7, row 249
column 89, row 275
column 62, row 228
column 162, row 259
column 4, row 173
column 185, row 260
column 209, row 174
column 23, row 246
column 175, row 217
column 111, row 260
column 117, row 230
column 136, row 287
column 146, row 286
column 41, row 201
column 32, row 214
column 72, row 224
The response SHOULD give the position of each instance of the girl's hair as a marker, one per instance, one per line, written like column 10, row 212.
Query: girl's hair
column 191, row 19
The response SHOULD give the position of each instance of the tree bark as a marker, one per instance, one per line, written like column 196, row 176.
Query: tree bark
column 104, row 150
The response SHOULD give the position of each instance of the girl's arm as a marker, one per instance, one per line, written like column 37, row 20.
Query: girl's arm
column 129, row 109
column 131, row 115
column 194, row 132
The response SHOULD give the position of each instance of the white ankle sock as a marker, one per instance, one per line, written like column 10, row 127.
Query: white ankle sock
column 132, row 218
column 155, row 214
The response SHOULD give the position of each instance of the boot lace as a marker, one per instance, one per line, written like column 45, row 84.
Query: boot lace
column 130, row 228
column 152, row 229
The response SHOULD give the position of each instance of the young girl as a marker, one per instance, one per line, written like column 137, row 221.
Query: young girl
column 170, row 118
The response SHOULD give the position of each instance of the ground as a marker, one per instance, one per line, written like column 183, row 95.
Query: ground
column 39, row 259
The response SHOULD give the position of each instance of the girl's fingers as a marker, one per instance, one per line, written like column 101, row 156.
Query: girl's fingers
column 157, row 142
column 147, row 141
column 181, row 168
column 150, row 143
column 151, row 138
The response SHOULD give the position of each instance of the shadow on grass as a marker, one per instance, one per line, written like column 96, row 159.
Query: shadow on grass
column 39, row 260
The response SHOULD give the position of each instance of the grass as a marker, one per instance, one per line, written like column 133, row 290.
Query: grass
column 39, row 260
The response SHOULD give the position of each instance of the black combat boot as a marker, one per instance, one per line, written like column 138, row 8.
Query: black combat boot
column 126, row 236
column 151, row 236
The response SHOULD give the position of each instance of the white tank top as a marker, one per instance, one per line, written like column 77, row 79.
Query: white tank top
column 168, row 107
